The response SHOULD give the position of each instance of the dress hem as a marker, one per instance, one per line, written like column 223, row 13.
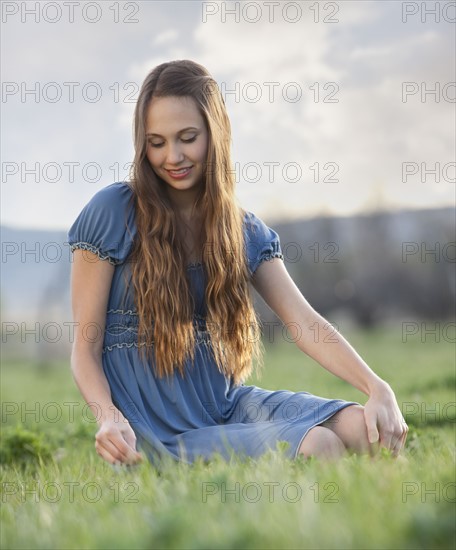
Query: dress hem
column 343, row 406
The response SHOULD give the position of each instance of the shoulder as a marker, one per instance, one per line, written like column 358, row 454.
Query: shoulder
column 115, row 195
column 106, row 224
column 255, row 228
column 249, row 217
column 113, row 204
column 252, row 223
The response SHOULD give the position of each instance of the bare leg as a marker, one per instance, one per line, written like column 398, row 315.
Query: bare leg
column 322, row 442
column 350, row 426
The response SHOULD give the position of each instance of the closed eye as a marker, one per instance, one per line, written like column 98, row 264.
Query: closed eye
column 191, row 140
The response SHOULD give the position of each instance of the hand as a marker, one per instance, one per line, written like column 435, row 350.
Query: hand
column 384, row 421
column 115, row 441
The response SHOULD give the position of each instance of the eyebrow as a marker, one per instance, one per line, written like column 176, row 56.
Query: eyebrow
column 179, row 132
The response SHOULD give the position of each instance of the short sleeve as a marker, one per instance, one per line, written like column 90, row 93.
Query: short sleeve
column 106, row 224
column 262, row 242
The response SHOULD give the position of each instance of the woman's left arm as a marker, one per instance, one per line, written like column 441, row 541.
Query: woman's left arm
column 320, row 340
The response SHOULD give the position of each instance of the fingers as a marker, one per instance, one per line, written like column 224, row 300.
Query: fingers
column 130, row 438
column 384, row 433
column 372, row 432
column 394, row 438
column 109, row 452
column 112, row 446
column 116, row 453
column 371, row 425
column 400, row 440
column 384, row 421
column 386, row 438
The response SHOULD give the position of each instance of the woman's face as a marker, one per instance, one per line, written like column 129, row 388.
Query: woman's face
column 176, row 139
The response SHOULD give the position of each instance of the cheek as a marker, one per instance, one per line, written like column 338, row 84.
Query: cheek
column 152, row 156
column 201, row 152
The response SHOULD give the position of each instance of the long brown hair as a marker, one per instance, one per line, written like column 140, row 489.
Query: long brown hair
column 159, row 276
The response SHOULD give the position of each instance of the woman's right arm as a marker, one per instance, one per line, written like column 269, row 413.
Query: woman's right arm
column 91, row 280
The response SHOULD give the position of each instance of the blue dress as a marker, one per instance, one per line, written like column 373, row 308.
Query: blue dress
column 202, row 413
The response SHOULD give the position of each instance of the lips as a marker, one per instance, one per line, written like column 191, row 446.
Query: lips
column 181, row 173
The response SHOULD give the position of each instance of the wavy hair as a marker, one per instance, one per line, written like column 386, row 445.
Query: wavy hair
column 159, row 275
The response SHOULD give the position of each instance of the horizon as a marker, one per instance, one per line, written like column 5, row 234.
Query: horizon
column 278, row 221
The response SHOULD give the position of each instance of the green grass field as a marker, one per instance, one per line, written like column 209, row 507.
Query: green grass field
column 70, row 498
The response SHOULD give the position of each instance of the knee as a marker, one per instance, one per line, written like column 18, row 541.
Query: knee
column 360, row 440
column 322, row 443
column 350, row 426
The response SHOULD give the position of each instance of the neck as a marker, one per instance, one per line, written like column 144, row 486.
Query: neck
column 183, row 203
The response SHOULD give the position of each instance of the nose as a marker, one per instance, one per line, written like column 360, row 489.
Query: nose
column 174, row 155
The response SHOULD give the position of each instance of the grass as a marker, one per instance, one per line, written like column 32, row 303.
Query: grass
column 69, row 498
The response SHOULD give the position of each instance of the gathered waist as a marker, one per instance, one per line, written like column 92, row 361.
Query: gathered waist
column 122, row 329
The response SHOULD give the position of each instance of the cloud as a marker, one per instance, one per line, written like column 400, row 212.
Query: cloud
column 368, row 133
column 165, row 37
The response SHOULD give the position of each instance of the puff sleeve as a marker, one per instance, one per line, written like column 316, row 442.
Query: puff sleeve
column 105, row 226
column 262, row 242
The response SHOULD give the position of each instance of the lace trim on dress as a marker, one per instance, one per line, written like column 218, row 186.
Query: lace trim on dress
column 268, row 256
column 91, row 248
column 121, row 329
column 202, row 338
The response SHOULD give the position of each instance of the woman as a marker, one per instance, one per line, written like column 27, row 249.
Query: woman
column 166, row 330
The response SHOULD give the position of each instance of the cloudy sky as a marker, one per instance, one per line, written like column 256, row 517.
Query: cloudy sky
column 333, row 110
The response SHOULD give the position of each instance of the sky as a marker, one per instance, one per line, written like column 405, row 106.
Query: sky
column 336, row 108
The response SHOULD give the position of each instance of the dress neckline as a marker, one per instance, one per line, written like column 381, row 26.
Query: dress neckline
column 194, row 264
